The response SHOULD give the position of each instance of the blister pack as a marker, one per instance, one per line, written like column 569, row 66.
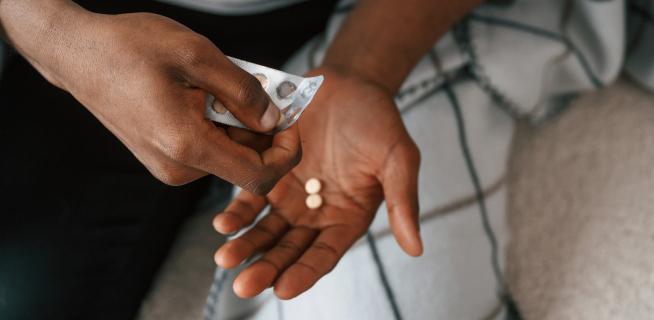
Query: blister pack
column 290, row 93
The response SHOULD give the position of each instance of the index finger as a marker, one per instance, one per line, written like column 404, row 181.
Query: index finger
column 221, row 156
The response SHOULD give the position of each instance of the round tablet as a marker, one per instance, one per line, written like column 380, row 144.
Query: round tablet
column 285, row 89
column 262, row 79
column 314, row 201
column 312, row 186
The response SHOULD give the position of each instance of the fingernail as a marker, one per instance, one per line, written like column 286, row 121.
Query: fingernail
column 219, row 107
column 270, row 117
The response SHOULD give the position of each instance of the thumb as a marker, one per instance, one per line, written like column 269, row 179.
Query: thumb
column 236, row 90
column 399, row 179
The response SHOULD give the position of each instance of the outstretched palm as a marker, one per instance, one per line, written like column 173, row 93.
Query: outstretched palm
column 355, row 143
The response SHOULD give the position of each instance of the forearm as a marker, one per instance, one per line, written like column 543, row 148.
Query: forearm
column 43, row 31
column 382, row 40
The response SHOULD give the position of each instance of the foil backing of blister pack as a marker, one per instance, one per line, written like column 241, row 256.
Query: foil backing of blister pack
column 290, row 93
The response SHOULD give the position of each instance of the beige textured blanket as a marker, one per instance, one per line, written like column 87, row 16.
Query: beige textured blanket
column 581, row 210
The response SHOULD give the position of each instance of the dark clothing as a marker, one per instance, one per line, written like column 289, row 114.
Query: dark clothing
column 83, row 225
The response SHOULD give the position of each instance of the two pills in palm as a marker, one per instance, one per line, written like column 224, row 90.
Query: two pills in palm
column 314, row 199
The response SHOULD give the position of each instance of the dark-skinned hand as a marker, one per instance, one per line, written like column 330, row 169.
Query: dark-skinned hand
column 354, row 141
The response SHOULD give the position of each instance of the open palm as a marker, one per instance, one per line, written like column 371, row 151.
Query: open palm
column 355, row 143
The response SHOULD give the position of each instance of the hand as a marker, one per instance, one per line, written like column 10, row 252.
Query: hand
column 145, row 77
column 354, row 141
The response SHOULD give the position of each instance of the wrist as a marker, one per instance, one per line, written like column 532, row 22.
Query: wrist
column 385, row 73
column 44, row 32
column 370, row 76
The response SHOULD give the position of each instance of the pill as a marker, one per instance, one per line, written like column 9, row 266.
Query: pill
column 282, row 121
column 314, row 201
column 285, row 89
column 312, row 186
column 262, row 79
column 218, row 107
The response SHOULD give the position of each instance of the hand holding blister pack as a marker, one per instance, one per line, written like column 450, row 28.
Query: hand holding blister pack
column 290, row 93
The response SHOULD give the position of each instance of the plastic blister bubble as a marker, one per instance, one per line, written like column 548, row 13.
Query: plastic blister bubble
column 290, row 93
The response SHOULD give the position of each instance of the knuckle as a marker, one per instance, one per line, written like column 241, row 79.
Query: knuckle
column 192, row 52
column 327, row 249
column 261, row 185
column 172, row 175
column 271, row 263
column 266, row 232
column 249, row 92
column 260, row 188
column 289, row 246
column 177, row 148
column 261, row 178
